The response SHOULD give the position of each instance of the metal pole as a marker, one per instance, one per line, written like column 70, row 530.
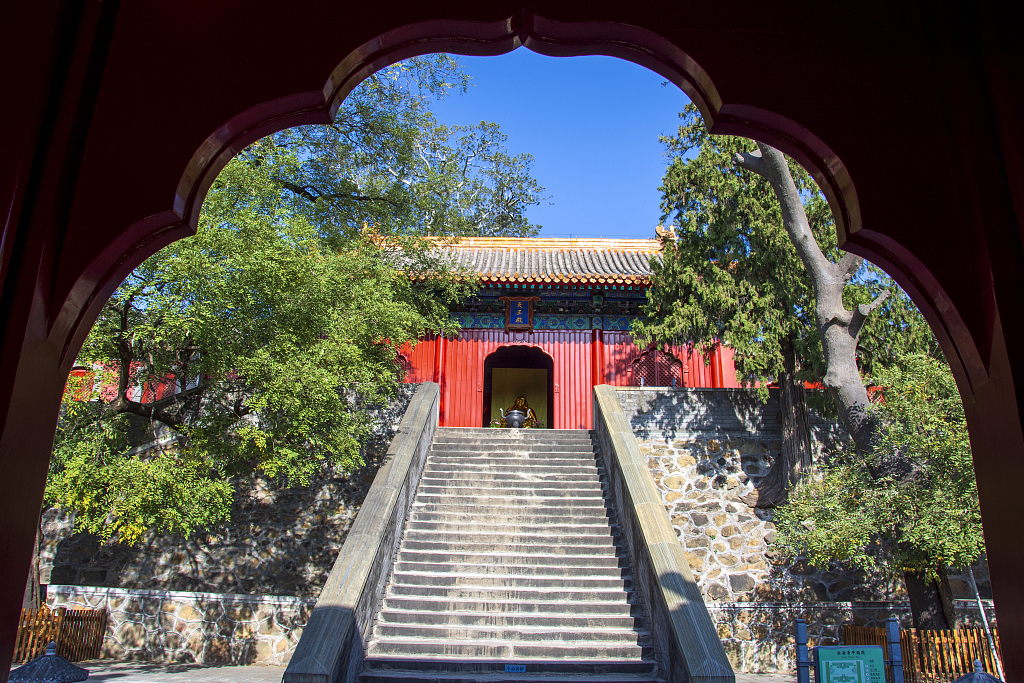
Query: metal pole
column 984, row 620
column 803, row 664
column 892, row 637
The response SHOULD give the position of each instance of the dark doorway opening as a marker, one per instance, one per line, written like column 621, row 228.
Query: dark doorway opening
column 519, row 358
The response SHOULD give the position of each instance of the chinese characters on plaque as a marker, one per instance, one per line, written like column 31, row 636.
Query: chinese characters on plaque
column 519, row 312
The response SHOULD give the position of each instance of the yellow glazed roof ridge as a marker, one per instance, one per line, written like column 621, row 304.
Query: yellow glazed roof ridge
column 557, row 243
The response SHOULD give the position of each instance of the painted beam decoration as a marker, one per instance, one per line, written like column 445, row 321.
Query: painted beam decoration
column 519, row 312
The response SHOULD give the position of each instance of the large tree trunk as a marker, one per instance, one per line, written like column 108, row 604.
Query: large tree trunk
column 839, row 330
column 931, row 601
column 794, row 462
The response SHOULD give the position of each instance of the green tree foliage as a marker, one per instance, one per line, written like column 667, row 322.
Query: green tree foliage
column 387, row 163
column 923, row 522
column 733, row 276
column 284, row 314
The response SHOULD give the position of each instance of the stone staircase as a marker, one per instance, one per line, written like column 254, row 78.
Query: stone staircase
column 511, row 569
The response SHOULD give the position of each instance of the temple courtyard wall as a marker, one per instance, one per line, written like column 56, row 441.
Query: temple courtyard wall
column 242, row 593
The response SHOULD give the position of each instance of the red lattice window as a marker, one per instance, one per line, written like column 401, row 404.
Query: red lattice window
column 656, row 368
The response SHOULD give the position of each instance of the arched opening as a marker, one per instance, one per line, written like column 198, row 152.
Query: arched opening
column 514, row 371
column 945, row 270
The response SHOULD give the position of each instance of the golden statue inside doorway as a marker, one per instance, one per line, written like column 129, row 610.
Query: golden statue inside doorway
column 520, row 414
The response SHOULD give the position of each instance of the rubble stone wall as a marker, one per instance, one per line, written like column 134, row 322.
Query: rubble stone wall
column 706, row 450
column 179, row 626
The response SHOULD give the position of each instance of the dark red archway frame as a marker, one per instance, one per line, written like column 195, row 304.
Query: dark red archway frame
column 919, row 105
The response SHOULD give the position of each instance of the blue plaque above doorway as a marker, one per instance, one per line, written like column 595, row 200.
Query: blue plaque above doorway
column 519, row 312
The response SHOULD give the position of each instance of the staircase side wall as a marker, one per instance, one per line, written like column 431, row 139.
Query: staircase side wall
column 334, row 641
column 686, row 640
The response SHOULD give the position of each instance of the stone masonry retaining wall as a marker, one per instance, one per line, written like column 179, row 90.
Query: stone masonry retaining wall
column 179, row 626
column 708, row 448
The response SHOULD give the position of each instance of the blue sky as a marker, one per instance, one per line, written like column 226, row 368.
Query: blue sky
column 592, row 125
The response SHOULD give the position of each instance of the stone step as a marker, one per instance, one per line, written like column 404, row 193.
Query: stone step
column 466, row 580
column 596, row 529
column 518, row 489
column 522, row 549
column 437, row 670
column 456, row 502
column 375, row 675
column 491, row 433
column 437, row 556
column 504, row 569
column 486, row 464
column 500, row 497
column 434, row 469
column 469, row 447
column 501, row 540
column 521, row 464
column 565, row 622
column 533, row 450
column 509, row 649
column 420, row 603
column 513, row 511
column 511, row 516
column 478, row 632
column 566, row 594
column 484, row 478
column 483, row 442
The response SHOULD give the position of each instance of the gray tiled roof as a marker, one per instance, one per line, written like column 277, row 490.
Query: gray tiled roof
column 558, row 260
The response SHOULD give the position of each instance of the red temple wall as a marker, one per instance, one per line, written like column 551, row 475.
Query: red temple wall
column 582, row 359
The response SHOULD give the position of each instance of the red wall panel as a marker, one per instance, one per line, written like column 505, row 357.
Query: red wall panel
column 620, row 352
column 581, row 358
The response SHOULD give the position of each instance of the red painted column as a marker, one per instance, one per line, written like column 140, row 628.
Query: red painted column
column 439, row 350
column 716, row 367
column 597, row 353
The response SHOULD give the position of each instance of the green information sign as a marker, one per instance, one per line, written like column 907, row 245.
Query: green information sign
column 849, row 664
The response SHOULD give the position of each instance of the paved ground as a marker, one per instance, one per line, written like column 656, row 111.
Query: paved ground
column 145, row 672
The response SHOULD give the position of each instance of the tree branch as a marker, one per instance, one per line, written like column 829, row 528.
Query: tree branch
column 148, row 411
column 794, row 219
column 849, row 265
column 304, row 192
column 752, row 161
column 863, row 311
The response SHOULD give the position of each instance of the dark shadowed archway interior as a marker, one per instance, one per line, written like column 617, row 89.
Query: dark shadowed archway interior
column 523, row 370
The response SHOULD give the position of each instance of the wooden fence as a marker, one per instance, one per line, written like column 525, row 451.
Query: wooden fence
column 77, row 632
column 932, row 656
